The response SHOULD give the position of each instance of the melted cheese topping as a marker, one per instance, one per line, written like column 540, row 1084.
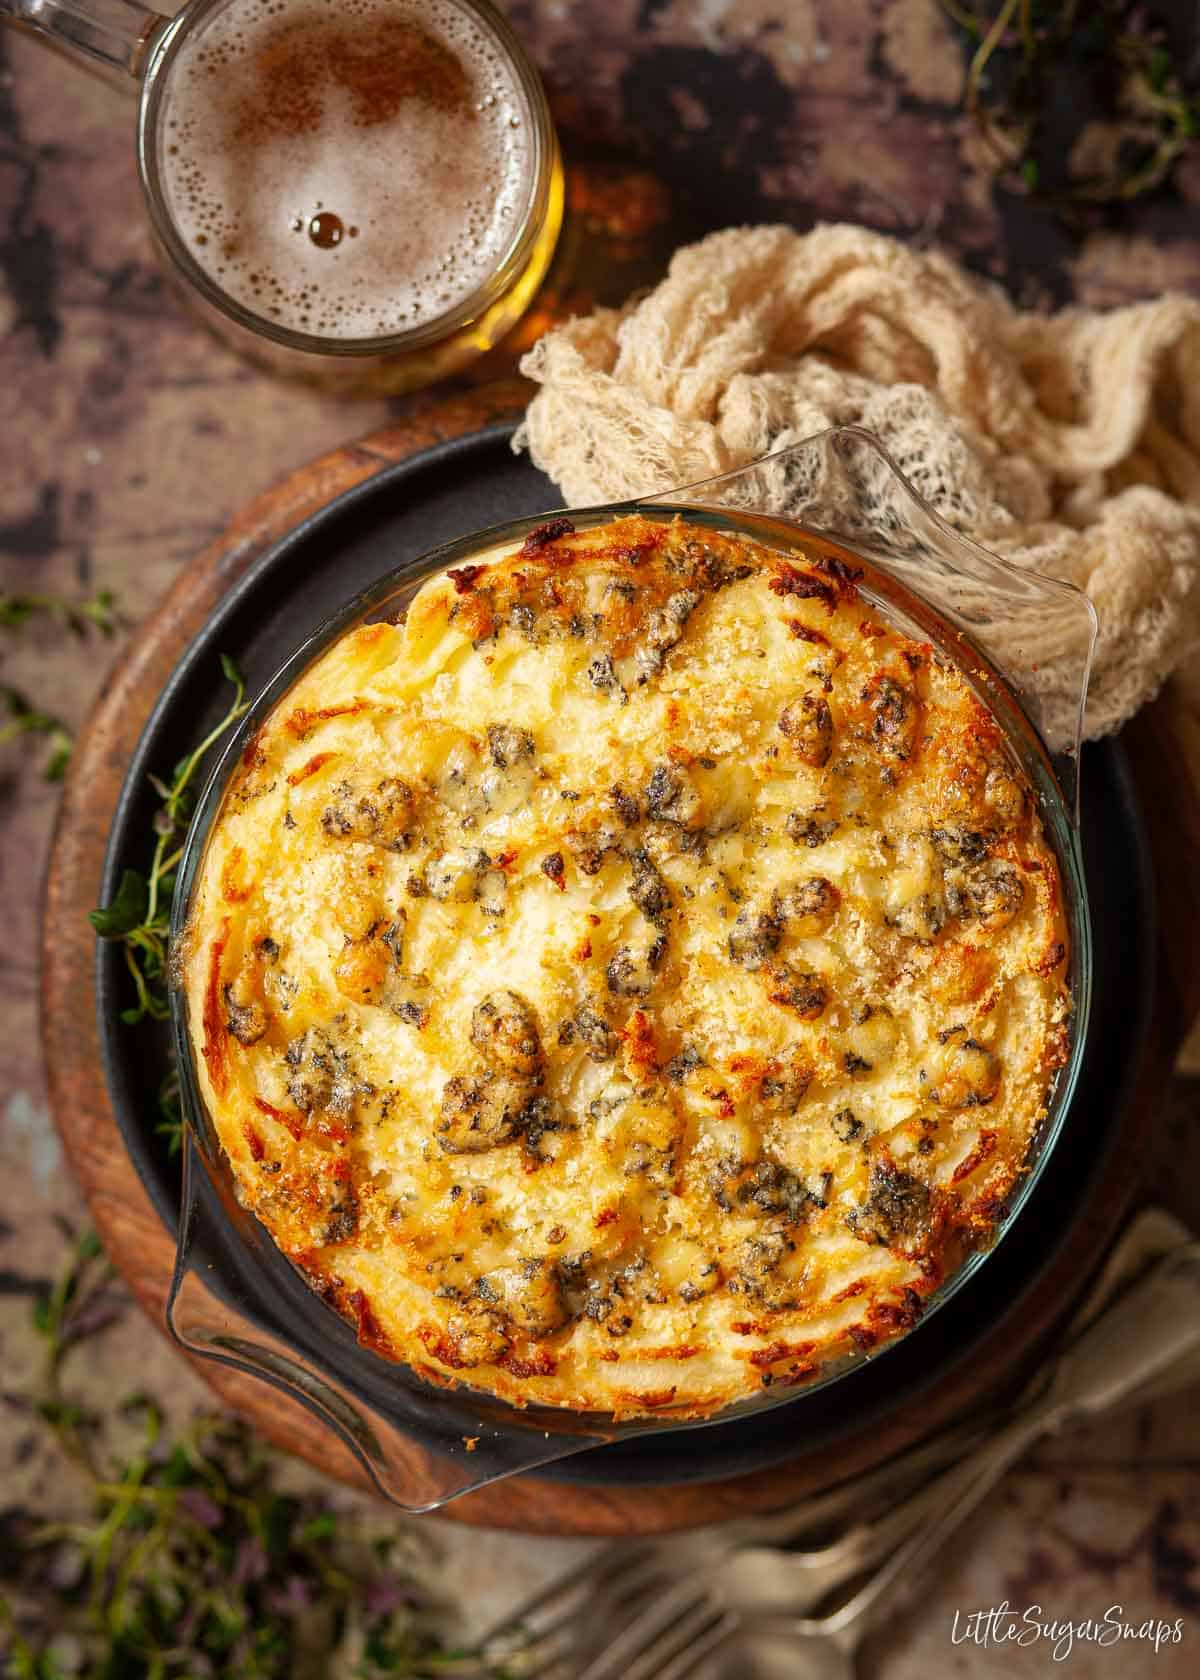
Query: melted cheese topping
column 633, row 980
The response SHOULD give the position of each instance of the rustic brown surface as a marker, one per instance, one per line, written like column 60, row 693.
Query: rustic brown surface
column 131, row 438
column 132, row 1231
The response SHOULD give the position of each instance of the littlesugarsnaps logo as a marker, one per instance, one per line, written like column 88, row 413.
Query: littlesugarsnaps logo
column 1001, row 1625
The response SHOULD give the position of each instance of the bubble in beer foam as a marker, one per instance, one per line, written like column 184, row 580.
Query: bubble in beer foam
column 396, row 129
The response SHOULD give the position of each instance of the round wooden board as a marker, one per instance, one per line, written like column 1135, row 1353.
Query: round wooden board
column 142, row 1249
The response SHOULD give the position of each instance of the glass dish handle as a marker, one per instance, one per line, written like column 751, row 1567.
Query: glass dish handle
column 1037, row 631
column 414, row 1476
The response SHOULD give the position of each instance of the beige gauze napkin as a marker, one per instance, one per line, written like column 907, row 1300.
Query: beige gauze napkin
column 1069, row 444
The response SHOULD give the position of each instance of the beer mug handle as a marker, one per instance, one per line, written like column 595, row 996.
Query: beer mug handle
column 117, row 34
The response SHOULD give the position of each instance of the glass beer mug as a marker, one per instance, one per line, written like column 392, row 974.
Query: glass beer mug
column 366, row 193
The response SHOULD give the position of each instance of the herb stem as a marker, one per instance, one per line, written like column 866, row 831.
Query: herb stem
column 984, row 51
column 156, row 874
column 1019, row 52
column 98, row 611
column 198, row 1562
column 138, row 916
column 1028, row 43
column 965, row 19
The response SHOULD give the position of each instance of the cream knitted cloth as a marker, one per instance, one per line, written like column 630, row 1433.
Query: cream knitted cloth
column 1069, row 444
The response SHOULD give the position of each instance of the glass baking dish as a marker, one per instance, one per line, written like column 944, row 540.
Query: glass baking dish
column 237, row 1300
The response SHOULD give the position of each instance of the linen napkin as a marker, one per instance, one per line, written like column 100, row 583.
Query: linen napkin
column 1069, row 444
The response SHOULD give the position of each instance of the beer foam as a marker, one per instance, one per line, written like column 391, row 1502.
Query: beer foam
column 346, row 168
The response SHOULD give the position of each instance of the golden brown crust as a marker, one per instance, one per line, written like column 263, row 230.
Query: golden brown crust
column 634, row 980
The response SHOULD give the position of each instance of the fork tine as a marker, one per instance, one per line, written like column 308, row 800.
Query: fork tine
column 567, row 1635
column 866, row 1541
column 545, row 1630
column 718, row 1634
column 594, row 1573
column 656, row 1620
column 677, row 1644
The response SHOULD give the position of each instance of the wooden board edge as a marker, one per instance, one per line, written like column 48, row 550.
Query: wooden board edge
column 136, row 1239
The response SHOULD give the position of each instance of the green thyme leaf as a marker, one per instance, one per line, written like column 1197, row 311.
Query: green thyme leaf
column 127, row 909
column 97, row 613
column 172, row 1130
column 139, row 915
column 55, row 767
column 15, row 610
column 178, row 1471
column 1020, row 54
column 26, row 719
column 278, row 1520
column 59, row 1415
column 170, row 1108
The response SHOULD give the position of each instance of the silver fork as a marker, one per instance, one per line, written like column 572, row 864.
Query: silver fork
column 1149, row 1331
column 558, row 1630
column 557, row 1634
column 552, row 1627
column 693, row 1606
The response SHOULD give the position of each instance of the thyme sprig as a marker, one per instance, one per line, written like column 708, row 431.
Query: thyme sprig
column 98, row 612
column 1024, row 53
column 138, row 915
column 26, row 718
column 195, row 1562
column 170, row 1110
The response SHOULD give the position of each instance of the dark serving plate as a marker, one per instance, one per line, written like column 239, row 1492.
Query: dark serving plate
column 403, row 511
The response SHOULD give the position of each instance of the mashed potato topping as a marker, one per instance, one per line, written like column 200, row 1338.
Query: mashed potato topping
column 632, row 980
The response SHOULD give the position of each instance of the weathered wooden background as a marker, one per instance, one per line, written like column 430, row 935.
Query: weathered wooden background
column 129, row 437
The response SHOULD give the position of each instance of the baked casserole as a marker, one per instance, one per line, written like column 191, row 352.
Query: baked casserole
column 633, row 980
